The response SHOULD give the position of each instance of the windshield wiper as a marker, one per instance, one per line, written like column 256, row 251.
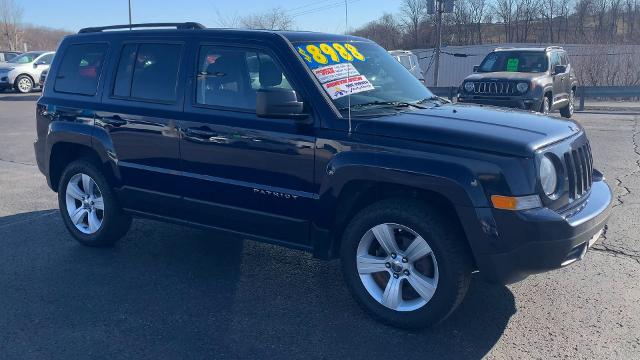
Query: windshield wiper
column 395, row 104
column 437, row 99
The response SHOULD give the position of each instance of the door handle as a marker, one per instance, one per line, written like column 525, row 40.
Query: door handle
column 201, row 135
column 114, row 120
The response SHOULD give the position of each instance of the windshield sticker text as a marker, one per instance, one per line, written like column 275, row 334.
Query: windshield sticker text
column 343, row 87
column 512, row 64
column 329, row 73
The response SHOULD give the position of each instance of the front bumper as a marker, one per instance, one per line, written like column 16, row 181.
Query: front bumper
column 510, row 102
column 539, row 240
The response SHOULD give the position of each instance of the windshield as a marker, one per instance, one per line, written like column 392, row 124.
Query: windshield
column 24, row 58
column 365, row 70
column 515, row 61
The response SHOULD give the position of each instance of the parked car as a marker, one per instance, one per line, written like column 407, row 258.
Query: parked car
column 318, row 142
column 410, row 61
column 23, row 72
column 7, row 55
column 538, row 79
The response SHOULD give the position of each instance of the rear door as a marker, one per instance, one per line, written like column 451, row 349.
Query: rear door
column 244, row 173
column 141, row 104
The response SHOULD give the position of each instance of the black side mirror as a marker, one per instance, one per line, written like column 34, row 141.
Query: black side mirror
column 475, row 68
column 559, row 69
column 35, row 65
column 279, row 103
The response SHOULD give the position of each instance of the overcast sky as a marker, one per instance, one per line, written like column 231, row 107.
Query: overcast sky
column 314, row 15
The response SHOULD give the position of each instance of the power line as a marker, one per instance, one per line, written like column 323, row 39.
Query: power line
column 312, row 3
column 322, row 8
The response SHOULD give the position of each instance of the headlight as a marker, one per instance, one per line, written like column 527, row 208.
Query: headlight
column 548, row 176
column 468, row 87
column 522, row 87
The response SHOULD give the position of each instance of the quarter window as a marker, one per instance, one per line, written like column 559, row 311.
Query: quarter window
column 231, row 77
column 148, row 72
column 80, row 69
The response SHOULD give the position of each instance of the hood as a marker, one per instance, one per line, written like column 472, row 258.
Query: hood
column 504, row 75
column 6, row 65
column 490, row 129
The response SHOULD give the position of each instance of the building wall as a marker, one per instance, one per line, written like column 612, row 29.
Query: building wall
column 593, row 64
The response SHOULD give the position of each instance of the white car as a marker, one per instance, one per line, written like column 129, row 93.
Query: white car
column 410, row 61
column 22, row 73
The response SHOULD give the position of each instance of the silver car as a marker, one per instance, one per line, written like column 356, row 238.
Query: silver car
column 410, row 61
column 22, row 73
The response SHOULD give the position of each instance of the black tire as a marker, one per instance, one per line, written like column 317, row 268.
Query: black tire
column 447, row 242
column 24, row 89
column 115, row 223
column 545, row 106
column 567, row 111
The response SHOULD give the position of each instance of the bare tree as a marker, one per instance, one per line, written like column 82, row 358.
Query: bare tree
column 10, row 19
column 274, row 19
column 477, row 13
column 413, row 12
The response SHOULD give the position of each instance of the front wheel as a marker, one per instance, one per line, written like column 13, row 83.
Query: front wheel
column 567, row 111
column 405, row 264
column 88, row 206
column 24, row 84
column 545, row 107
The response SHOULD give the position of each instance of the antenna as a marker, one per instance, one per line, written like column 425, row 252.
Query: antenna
column 346, row 30
column 129, row 14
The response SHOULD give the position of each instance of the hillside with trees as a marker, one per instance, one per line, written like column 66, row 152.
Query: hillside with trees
column 15, row 35
column 509, row 21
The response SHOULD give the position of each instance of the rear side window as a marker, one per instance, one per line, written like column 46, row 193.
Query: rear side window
column 148, row 72
column 80, row 69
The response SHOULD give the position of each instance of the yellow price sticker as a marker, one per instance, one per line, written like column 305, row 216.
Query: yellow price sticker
column 324, row 53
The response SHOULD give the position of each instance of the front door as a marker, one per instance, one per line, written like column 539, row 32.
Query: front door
column 559, row 94
column 243, row 173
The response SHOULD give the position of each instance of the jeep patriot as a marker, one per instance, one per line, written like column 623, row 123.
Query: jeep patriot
column 318, row 142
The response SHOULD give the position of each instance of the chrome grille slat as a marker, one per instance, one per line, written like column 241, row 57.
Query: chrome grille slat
column 578, row 164
column 571, row 175
column 585, row 169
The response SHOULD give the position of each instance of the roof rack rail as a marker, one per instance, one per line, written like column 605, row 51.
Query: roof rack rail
column 555, row 47
column 178, row 26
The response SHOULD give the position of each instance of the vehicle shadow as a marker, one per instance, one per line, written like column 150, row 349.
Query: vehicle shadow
column 18, row 97
column 165, row 291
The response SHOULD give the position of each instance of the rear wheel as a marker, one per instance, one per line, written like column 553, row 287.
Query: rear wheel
column 88, row 207
column 24, row 84
column 567, row 111
column 404, row 263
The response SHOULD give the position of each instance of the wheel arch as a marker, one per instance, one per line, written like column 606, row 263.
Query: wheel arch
column 64, row 153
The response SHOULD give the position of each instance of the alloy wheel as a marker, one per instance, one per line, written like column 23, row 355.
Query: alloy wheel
column 397, row 267
column 85, row 204
column 25, row 85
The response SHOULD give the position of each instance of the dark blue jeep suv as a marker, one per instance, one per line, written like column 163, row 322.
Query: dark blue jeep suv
column 317, row 142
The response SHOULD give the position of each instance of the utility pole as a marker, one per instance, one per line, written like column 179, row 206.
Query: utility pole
column 129, row 14
column 436, row 66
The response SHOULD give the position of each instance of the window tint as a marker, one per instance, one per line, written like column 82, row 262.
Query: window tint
column 122, row 85
column 80, row 69
column 555, row 59
column 46, row 60
column 9, row 56
column 148, row 71
column 564, row 59
column 230, row 78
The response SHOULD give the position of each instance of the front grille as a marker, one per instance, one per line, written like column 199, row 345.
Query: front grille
column 579, row 166
column 494, row 88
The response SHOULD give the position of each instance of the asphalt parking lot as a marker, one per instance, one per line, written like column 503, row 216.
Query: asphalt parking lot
column 168, row 292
